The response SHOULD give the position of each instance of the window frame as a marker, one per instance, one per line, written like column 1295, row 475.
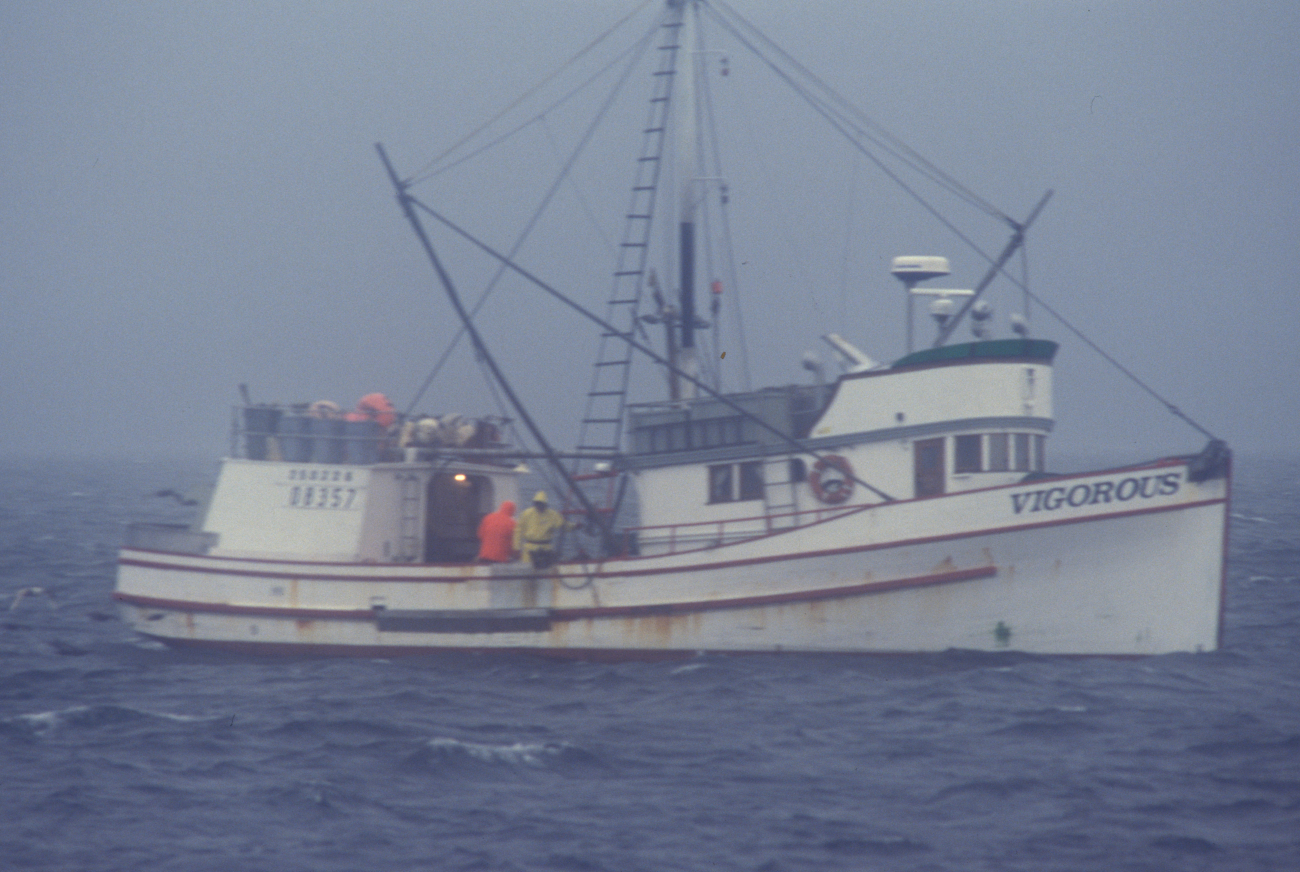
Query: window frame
column 1021, row 461
column 999, row 452
column 721, row 484
column 968, row 453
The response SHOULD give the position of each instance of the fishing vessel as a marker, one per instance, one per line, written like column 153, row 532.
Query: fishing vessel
column 892, row 508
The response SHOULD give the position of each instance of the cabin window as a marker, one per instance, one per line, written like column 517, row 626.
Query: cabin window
column 999, row 453
column 1022, row 452
column 928, row 466
column 720, row 488
column 1040, row 452
column 798, row 470
column 967, row 454
column 724, row 478
column 751, row 480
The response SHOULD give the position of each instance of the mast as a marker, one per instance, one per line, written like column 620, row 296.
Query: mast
column 686, row 172
column 1017, row 239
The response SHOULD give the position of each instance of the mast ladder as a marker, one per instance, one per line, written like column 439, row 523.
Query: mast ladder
column 602, row 421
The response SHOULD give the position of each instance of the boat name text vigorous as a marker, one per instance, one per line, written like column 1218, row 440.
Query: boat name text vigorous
column 1095, row 493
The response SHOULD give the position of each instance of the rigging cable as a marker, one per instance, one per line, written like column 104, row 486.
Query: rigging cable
column 711, row 122
column 795, row 263
column 842, row 314
column 1173, row 409
column 406, row 201
column 836, row 122
column 577, row 192
column 639, row 50
column 531, row 120
column 699, row 192
column 724, row 215
column 891, row 143
column 1024, row 275
column 425, row 172
column 605, row 325
column 951, row 184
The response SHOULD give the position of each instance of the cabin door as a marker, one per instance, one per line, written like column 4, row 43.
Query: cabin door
column 455, row 508
column 927, row 457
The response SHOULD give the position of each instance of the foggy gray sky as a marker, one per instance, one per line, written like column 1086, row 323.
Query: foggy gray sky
column 190, row 199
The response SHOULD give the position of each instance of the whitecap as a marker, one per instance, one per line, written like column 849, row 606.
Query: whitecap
column 1252, row 518
column 43, row 722
column 180, row 719
column 149, row 644
column 525, row 753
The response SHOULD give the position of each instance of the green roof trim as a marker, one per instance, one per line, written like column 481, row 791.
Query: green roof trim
column 994, row 349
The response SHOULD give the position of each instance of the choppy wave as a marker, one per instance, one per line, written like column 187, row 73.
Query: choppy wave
column 80, row 717
column 535, row 754
column 118, row 754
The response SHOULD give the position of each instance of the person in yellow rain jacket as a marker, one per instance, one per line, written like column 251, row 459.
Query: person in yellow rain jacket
column 535, row 532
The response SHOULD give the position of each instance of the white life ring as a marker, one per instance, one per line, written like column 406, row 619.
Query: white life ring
column 831, row 479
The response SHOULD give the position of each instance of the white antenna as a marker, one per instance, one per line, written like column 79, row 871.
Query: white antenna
column 911, row 269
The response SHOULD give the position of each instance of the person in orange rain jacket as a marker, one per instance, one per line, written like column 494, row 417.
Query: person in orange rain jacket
column 496, row 535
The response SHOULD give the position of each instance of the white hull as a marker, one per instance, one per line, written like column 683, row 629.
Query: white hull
column 1085, row 564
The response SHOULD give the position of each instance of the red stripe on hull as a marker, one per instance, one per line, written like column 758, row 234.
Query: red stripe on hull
column 576, row 614
column 871, row 587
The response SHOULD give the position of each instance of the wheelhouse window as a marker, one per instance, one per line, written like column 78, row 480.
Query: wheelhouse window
column 999, row 453
column 1021, row 457
column 967, row 452
column 1040, row 452
column 688, row 435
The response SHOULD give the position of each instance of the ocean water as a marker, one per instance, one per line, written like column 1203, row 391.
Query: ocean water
column 119, row 754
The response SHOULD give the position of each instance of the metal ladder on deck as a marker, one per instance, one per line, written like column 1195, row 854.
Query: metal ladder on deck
column 412, row 503
column 602, row 421
column 779, row 503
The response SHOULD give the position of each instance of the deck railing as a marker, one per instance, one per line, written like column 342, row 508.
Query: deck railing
column 294, row 435
column 663, row 539
column 301, row 434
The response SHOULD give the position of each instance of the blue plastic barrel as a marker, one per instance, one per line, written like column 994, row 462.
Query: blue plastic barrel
column 295, row 438
column 260, row 424
column 327, row 440
column 361, row 441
